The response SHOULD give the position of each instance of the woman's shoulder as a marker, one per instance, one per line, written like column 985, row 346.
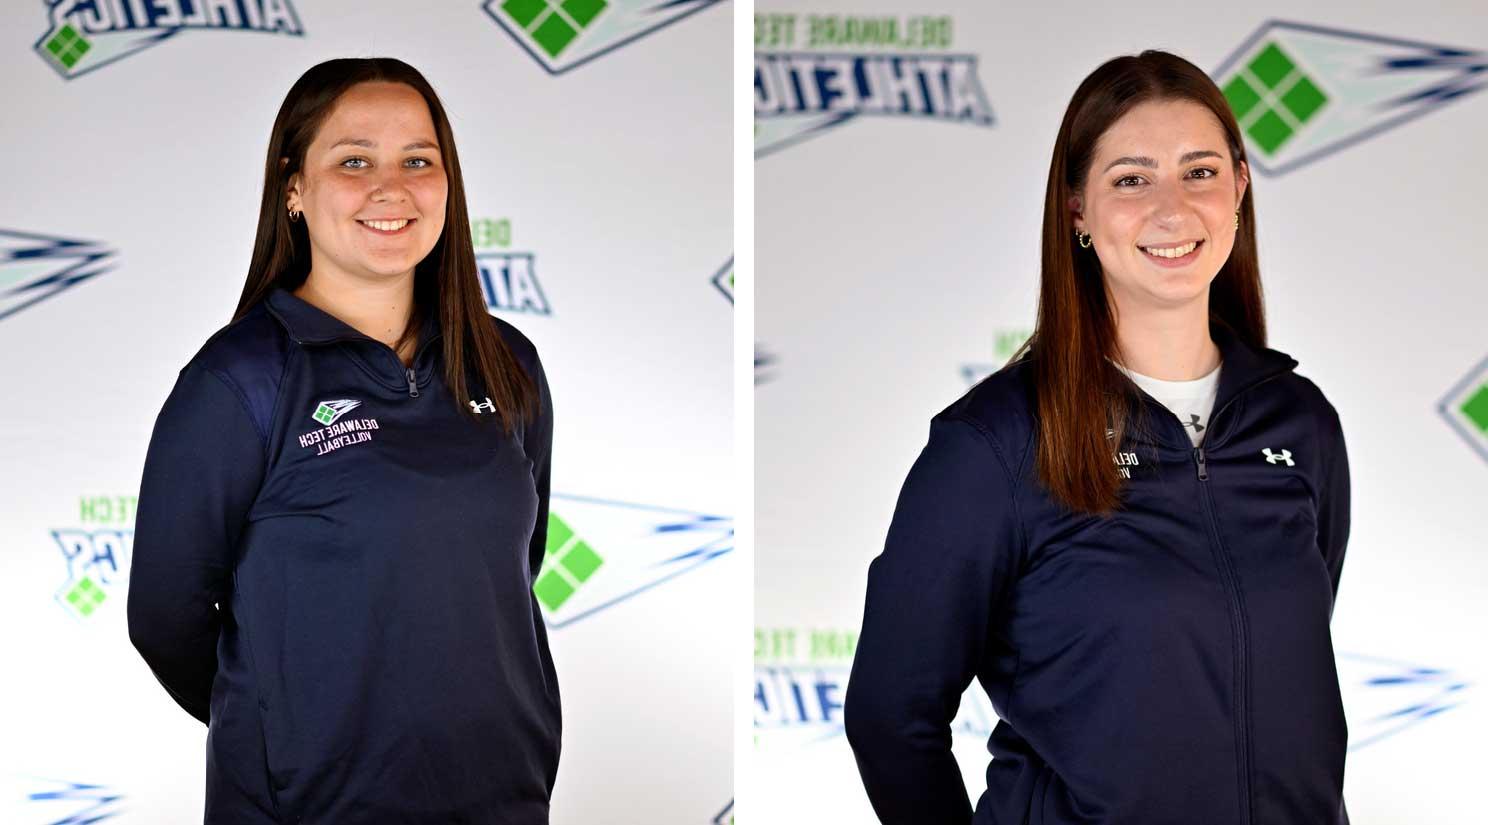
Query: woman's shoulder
column 1001, row 408
column 520, row 345
column 250, row 349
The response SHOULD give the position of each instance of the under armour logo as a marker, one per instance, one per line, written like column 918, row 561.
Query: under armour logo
column 485, row 406
column 1284, row 455
column 1197, row 427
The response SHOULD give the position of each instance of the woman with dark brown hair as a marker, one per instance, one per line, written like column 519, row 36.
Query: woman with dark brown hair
column 1132, row 534
column 345, row 498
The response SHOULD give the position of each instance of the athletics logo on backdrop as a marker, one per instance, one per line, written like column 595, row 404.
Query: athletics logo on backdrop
column 724, row 279
column 816, row 71
column 1302, row 92
column 1384, row 696
column 1466, row 408
column 508, row 278
column 97, row 554
column 800, row 682
column 602, row 552
column 35, row 267
column 69, row 803
column 84, row 35
column 566, row 34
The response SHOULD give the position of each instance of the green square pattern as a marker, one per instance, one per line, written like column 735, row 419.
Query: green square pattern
column 1276, row 108
column 1476, row 408
column 85, row 596
column 1241, row 95
column 324, row 414
column 1271, row 66
column 553, row 24
column 568, row 563
column 67, row 46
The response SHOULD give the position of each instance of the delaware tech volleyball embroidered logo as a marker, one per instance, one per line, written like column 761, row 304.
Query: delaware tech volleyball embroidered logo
column 89, row 34
column 565, row 34
column 816, row 71
column 1303, row 92
column 336, row 433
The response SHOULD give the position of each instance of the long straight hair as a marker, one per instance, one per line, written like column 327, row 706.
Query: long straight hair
column 1080, row 393
column 446, row 278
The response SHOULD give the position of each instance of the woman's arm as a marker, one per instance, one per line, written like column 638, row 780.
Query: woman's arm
column 202, row 472
column 949, row 559
column 1334, row 501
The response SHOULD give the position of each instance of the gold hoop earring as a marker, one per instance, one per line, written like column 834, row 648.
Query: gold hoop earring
column 1237, row 218
column 1083, row 238
column 293, row 216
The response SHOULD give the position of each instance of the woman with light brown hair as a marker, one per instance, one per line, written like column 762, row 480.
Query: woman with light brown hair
column 345, row 498
column 1132, row 534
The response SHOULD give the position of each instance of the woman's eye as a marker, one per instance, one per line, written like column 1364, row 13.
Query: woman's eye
column 427, row 163
column 1211, row 172
column 1128, row 177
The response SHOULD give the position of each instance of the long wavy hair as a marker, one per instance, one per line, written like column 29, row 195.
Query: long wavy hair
column 1081, row 393
column 446, row 278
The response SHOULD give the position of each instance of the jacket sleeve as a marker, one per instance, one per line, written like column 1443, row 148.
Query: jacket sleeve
column 951, row 554
column 538, row 444
column 1333, row 502
column 202, row 471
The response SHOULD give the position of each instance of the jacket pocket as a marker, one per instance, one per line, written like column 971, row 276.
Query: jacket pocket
column 1040, row 792
column 268, row 773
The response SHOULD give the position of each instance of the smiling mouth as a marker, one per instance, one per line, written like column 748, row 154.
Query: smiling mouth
column 388, row 227
column 1171, row 255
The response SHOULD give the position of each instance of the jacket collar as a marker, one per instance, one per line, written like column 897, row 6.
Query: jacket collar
column 1241, row 368
column 309, row 324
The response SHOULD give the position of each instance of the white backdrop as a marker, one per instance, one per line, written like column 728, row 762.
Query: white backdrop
column 898, row 262
column 603, row 174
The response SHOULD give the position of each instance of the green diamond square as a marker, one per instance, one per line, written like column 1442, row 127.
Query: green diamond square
column 1476, row 408
column 56, row 45
column 584, row 11
column 1241, row 95
column 1304, row 99
column 85, row 584
column 74, row 595
column 80, row 47
column 581, row 561
column 86, row 608
column 324, row 414
column 553, row 35
column 1270, row 131
column 523, row 11
column 552, row 590
column 1271, row 66
column 558, row 533
column 98, row 596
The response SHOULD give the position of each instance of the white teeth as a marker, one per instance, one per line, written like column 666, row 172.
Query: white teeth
column 386, row 226
column 1175, row 252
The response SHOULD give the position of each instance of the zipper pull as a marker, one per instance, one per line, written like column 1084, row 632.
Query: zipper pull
column 412, row 387
column 1199, row 457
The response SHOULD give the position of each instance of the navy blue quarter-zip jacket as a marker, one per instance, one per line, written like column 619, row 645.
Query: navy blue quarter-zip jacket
column 1170, row 665
column 333, row 570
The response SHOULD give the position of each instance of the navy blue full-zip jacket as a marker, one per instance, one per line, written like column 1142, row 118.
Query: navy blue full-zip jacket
column 333, row 570
column 1170, row 665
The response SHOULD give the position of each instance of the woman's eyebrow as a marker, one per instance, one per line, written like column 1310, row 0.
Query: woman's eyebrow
column 1143, row 160
column 368, row 144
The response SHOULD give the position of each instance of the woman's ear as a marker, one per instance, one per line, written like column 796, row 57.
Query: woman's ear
column 1076, row 206
column 1242, row 180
